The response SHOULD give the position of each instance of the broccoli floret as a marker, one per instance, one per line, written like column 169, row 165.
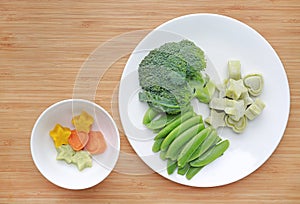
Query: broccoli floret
column 187, row 51
column 171, row 75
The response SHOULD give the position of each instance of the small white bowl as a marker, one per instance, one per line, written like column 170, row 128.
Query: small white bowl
column 44, row 153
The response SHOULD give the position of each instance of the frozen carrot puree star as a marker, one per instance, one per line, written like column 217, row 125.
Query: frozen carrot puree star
column 96, row 143
column 78, row 139
column 60, row 135
column 83, row 122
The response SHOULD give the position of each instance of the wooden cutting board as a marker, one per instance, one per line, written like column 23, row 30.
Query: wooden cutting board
column 43, row 44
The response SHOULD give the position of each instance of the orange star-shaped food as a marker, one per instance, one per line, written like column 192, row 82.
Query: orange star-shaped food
column 83, row 122
column 60, row 135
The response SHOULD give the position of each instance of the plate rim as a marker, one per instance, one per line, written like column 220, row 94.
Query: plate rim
column 284, row 126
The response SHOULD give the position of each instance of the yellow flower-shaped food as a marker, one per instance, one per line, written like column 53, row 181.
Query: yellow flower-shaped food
column 83, row 122
column 60, row 135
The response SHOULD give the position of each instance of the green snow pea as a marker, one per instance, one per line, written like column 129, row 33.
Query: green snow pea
column 176, row 146
column 183, row 170
column 149, row 115
column 157, row 144
column 179, row 129
column 171, row 166
column 192, row 172
column 161, row 122
column 191, row 146
column 211, row 154
column 210, row 140
column 163, row 133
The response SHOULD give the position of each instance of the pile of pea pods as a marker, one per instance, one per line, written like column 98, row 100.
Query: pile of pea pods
column 185, row 141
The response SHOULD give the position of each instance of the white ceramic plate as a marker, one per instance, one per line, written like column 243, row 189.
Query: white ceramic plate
column 44, row 153
column 222, row 38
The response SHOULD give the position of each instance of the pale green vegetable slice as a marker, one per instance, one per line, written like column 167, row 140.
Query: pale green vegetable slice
column 218, row 103
column 233, row 104
column 229, row 122
column 254, row 83
column 254, row 109
column 237, row 126
column 228, row 105
column 235, row 88
column 216, row 119
column 65, row 152
column 221, row 89
column 211, row 87
column 236, row 109
column 206, row 93
column 82, row 159
column 234, row 69
column 246, row 98
column 241, row 125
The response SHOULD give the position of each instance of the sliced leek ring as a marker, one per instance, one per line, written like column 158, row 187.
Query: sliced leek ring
column 237, row 126
column 234, row 69
column 254, row 83
column 255, row 109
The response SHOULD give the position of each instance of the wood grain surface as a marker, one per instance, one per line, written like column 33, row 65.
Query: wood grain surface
column 43, row 45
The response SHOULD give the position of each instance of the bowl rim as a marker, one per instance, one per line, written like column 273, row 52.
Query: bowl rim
column 71, row 100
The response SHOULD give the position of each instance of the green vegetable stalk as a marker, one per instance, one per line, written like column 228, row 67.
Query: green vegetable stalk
column 204, row 93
